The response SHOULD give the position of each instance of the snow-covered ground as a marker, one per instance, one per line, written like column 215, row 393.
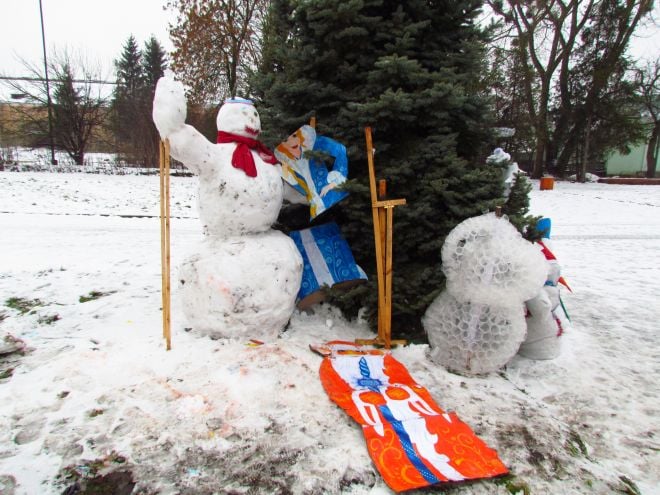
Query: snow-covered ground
column 96, row 392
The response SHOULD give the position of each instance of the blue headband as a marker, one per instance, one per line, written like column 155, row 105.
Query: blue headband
column 239, row 100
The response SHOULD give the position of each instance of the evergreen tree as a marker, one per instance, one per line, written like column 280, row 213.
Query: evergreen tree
column 129, row 67
column 76, row 113
column 125, row 103
column 408, row 70
column 154, row 62
column 137, row 73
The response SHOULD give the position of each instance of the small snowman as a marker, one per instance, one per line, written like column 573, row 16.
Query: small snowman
column 243, row 281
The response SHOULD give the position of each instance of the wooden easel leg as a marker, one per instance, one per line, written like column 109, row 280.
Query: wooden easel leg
column 387, row 337
column 382, row 282
column 382, row 212
column 164, row 162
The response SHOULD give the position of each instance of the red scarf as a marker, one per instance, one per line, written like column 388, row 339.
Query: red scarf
column 242, row 157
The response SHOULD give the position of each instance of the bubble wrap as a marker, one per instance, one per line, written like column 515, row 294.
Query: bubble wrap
column 473, row 338
column 487, row 261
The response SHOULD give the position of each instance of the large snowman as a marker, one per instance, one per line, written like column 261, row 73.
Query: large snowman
column 243, row 281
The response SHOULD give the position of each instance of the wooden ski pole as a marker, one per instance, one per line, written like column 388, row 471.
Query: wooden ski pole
column 164, row 160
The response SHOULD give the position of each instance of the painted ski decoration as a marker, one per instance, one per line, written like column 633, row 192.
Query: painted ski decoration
column 412, row 441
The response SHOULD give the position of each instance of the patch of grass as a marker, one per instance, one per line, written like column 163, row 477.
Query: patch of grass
column 90, row 469
column 6, row 373
column 3, row 315
column 513, row 485
column 95, row 294
column 576, row 445
column 22, row 305
column 628, row 486
column 95, row 412
column 48, row 319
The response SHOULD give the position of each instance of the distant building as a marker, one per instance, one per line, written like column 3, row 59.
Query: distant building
column 14, row 115
column 631, row 164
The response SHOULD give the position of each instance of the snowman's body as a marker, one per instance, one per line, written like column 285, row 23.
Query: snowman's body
column 243, row 281
column 241, row 287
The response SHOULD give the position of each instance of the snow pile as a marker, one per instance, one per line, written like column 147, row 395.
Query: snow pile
column 588, row 177
column 478, row 324
column 96, row 398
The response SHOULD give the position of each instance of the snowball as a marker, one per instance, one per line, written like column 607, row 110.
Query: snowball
column 487, row 261
column 238, row 116
column 473, row 338
column 169, row 111
column 242, row 287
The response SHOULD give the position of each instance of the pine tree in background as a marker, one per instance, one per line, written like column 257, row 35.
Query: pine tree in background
column 125, row 108
column 77, row 112
column 137, row 74
column 408, row 70
column 154, row 62
column 129, row 68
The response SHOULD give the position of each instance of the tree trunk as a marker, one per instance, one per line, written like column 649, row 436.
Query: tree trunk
column 564, row 156
column 581, row 174
column 652, row 151
column 539, row 156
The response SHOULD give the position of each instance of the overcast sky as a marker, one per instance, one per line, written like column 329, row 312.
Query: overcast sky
column 98, row 29
column 94, row 29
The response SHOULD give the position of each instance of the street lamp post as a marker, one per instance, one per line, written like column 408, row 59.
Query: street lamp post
column 50, row 110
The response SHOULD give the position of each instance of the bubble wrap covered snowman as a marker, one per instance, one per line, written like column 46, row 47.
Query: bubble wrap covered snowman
column 243, row 280
column 477, row 325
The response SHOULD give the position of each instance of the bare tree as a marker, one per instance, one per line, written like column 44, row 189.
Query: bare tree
column 561, row 42
column 546, row 33
column 217, row 45
column 77, row 112
column 602, row 51
column 78, row 108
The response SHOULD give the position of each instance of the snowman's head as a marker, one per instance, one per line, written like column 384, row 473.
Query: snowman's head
column 238, row 116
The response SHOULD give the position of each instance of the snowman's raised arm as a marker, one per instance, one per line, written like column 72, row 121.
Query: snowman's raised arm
column 187, row 144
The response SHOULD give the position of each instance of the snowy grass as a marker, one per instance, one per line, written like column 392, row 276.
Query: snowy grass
column 95, row 393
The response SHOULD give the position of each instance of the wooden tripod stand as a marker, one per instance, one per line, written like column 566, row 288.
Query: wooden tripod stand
column 383, row 212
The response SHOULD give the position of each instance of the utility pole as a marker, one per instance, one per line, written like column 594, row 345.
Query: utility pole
column 53, row 161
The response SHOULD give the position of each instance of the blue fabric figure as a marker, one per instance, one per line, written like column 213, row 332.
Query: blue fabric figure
column 327, row 261
column 310, row 177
